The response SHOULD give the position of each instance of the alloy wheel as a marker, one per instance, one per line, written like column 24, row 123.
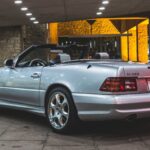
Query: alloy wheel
column 58, row 110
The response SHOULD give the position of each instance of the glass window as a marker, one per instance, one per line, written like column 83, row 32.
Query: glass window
column 35, row 53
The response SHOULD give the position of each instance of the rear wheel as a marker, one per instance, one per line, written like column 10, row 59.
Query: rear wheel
column 60, row 110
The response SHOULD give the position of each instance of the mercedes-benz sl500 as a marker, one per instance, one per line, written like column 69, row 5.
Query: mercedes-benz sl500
column 51, row 84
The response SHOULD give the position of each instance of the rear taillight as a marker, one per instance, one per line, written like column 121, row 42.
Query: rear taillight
column 119, row 84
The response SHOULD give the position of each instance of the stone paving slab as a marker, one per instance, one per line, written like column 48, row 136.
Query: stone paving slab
column 23, row 132
column 114, row 140
column 70, row 148
column 125, row 146
column 69, row 140
column 21, row 145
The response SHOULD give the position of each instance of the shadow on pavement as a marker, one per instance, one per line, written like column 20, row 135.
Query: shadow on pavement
column 107, row 129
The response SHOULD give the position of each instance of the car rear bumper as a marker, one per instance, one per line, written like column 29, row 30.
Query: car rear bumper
column 92, row 107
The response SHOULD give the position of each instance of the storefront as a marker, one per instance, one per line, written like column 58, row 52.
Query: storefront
column 125, row 38
column 107, row 43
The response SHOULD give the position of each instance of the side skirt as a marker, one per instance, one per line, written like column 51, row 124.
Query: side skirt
column 33, row 109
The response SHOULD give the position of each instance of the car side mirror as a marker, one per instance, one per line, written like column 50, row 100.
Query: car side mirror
column 9, row 63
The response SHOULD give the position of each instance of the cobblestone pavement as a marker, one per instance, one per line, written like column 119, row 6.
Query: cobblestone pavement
column 25, row 131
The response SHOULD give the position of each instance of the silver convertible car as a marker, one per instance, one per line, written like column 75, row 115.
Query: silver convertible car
column 66, row 91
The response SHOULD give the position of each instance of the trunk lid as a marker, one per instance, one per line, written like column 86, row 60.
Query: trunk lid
column 140, row 71
column 129, row 69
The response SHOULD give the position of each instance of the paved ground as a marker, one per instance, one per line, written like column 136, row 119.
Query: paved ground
column 24, row 131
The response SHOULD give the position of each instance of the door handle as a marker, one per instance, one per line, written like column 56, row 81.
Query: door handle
column 35, row 75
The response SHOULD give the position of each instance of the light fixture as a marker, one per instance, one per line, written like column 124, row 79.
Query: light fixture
column 105, row 2
column 99, row 13
column 36, row 22
column 29, row 14
column 102, row 8
column 33, row 18
column 24, row 8
column 18, row 1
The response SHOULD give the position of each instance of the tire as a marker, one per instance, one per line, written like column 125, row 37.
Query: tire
column 60, row 110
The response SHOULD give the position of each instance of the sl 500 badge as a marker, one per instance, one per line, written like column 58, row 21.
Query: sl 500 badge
column 133, row 74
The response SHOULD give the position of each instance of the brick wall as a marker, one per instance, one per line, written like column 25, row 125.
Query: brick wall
column 15, row 39
column 34, row 34
column 10, row 42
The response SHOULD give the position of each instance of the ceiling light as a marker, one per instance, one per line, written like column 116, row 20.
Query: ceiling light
column 102, row 8
column 99, row 13
column 33, row 18
column 36, row 22
column 105, row 2
column 18, row 2
column 24, row 8
column 28, row 14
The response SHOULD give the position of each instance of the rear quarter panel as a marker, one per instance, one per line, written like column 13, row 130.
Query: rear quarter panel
column 78, row 78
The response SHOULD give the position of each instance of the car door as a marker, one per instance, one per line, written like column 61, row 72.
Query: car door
column 22, row 81
column 22, row 85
